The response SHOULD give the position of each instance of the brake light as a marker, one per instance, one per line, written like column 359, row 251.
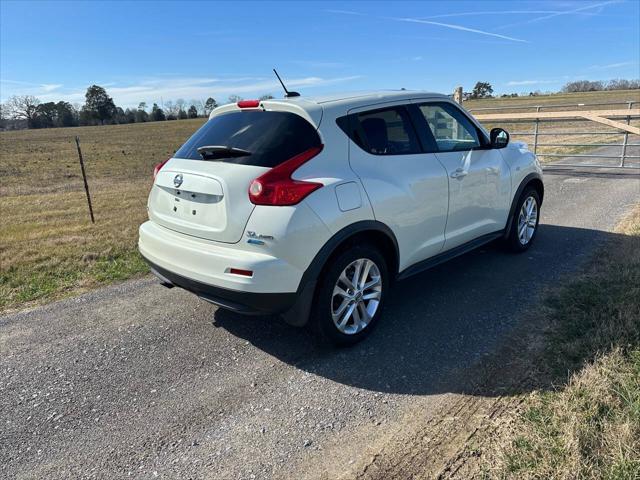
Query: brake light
column 158, row 166
column 276, row 187
column 248, row 103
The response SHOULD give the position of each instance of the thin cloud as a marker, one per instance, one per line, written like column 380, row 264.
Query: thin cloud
column 461, row 28
column 346, row 12
column 438, row 24
column 154, row 89
column 574, row 11
column 502, row 12
column 448, row 40
column 28, row 87
column 50, row 87
column 515, row 83
column 612, row 65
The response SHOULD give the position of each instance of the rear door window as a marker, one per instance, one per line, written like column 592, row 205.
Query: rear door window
column 270, row 137
column 387, row 131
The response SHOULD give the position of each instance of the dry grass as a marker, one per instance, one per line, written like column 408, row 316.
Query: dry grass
column 588, row 427
column 48, row 246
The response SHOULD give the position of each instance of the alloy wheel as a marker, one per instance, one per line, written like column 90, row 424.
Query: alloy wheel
column 527, row 220
column 356, row 296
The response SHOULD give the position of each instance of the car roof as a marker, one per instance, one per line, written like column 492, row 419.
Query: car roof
column 354, row 99
column 313, row 108
column 370, row 95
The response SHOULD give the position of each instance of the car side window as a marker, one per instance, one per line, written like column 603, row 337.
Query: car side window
column 451, row 129
column 388, row 131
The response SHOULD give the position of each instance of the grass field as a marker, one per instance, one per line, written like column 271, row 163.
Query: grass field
column 49, row 248
column 559, row 99
column 588, row 426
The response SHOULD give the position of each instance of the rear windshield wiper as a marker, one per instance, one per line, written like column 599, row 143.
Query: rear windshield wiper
column 210, row 152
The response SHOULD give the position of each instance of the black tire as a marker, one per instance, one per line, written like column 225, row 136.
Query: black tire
column 512, row 241
column 321, row 322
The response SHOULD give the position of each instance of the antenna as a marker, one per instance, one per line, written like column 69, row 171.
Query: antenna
column 287, row 93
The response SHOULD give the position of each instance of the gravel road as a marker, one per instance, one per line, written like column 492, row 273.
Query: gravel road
column 136, row 380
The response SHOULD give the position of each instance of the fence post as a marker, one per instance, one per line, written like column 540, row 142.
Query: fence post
column 535, row 133
column 625, row 139
column 457, row 95
column 84, row 178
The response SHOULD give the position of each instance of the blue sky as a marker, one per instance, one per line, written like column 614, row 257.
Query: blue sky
column 145, row 51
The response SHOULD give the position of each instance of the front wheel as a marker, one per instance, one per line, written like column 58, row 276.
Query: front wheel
column 349, row 300
column 524, row 225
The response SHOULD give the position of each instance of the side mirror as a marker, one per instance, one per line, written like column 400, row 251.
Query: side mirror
column 499, row 138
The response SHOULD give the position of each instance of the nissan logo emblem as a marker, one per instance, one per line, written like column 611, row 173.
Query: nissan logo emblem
column 177, row 180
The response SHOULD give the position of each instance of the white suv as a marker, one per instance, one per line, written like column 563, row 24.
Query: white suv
column 313, row 207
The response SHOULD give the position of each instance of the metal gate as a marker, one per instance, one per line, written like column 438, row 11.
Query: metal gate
column 570, row 114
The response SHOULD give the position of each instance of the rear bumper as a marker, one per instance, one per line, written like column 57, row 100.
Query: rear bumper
column 242, row 302
column 210, row 262
column 202, row 267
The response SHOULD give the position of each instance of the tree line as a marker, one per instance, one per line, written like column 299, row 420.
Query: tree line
column 27, row 111
column 485, row 90
column 596, row 86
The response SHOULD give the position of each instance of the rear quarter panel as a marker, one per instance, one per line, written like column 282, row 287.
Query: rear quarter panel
column 332, row 169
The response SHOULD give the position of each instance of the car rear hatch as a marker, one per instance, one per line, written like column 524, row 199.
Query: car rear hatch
column 203, row 190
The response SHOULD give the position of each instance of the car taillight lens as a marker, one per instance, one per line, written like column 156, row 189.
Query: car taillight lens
column 158, row 166
column 248, row 104
column 276, row 187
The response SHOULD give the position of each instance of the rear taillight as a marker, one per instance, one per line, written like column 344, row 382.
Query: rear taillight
column 276, row 187
column 158, row 166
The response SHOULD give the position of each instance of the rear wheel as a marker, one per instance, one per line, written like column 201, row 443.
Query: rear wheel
column 524, row 225
column 349, row 300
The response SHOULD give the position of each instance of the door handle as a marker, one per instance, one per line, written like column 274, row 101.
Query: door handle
column 459, row 173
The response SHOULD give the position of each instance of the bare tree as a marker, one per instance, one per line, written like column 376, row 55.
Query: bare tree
column 583, row 86
column 171, row 110
column 24, row 107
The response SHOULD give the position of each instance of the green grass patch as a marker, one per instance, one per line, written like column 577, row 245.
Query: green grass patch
column 587, row 426
column 24, row 287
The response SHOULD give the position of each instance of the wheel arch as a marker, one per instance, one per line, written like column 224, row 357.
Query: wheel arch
column 370, row 231
column 532, row 180
column 536, row 183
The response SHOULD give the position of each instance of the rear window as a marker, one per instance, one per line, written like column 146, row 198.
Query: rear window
column 270, row 137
